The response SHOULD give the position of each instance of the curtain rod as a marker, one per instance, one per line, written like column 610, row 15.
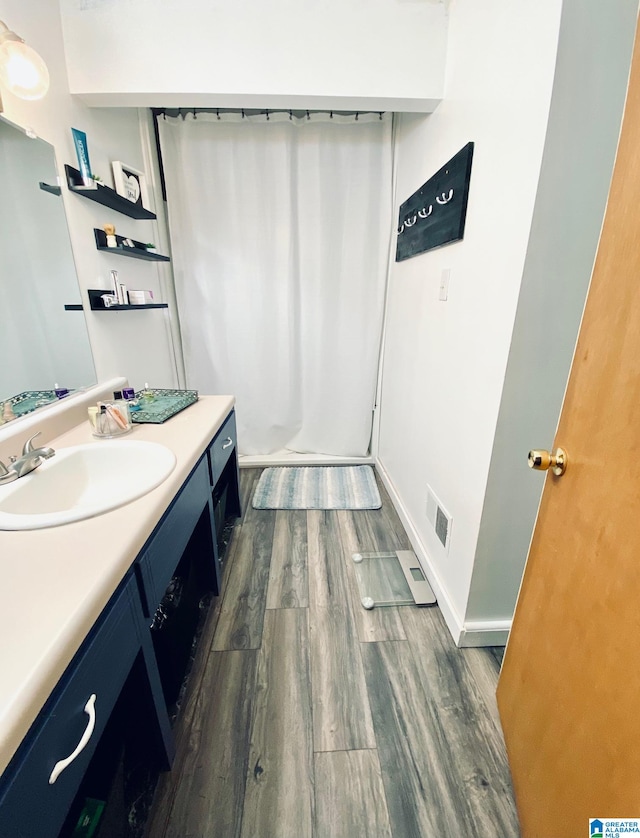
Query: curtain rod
column 246, row 112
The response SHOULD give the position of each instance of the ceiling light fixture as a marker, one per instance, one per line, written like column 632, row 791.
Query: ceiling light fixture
column 22, row 71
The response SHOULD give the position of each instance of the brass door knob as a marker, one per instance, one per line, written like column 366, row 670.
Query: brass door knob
column 554, row 460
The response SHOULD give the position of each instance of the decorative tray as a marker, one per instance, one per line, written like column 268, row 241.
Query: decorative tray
column 165, row 404
column 30, row 400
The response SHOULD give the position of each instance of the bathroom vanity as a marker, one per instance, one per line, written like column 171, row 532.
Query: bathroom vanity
column 78, row 665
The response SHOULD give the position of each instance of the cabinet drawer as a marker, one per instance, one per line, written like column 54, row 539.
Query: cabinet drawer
column 29, row 804
column 162, row 555
column 222, row 447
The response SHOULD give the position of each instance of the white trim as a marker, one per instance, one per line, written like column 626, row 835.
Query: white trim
column 164, row 270
column 273, row 101
column 451, row 617
column 485, row 633
column 374, row 445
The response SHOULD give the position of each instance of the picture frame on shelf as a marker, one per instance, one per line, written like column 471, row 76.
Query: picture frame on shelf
column 130, row 183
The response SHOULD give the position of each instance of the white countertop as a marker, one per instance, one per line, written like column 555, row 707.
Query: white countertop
column 55, row 582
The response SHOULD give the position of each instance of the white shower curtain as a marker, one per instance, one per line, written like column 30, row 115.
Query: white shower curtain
column 280, row 233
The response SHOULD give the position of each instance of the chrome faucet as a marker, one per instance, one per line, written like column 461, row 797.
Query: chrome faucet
column 30, row 459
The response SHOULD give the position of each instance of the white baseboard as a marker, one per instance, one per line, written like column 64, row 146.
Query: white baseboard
column 485, row 633
column 479, row 633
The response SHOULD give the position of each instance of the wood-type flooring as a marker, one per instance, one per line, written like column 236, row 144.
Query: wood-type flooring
column 308, row 717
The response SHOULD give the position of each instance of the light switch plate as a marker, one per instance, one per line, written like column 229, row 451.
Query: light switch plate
column 444, row 284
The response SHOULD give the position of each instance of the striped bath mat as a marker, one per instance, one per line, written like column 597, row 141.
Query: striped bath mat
column 325, row 487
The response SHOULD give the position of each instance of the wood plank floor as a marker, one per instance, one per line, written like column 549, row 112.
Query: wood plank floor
column 306, row 715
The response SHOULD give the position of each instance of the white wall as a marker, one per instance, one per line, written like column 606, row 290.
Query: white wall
column 360, row 54
column 444, row 362
column 471, row 384
column 594, row 56
column 134, row 344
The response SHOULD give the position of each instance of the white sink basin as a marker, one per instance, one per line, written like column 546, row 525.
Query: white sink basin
column 83, row 481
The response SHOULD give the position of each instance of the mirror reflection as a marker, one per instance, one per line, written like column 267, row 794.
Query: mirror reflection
column 41, row 343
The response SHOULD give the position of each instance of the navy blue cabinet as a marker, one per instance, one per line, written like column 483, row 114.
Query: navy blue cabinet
column 222, row 448
column 40, row 788
column 181, row 563
column 163, row 551
column 224, row 481
column 43, row 778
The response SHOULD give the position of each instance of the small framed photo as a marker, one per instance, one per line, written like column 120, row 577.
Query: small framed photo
column 130, row 183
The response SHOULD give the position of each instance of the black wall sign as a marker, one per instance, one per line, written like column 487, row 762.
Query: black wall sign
column 435, row 214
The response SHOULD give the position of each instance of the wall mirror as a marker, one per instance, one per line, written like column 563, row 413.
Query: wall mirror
column 42, row 343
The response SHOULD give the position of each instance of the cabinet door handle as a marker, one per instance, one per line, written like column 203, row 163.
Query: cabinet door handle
column 228, row 441
column 59, row 767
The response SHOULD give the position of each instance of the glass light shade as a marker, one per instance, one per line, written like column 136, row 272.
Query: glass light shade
column 22, row 71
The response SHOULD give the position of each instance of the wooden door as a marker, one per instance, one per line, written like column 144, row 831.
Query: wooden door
column 569, row 692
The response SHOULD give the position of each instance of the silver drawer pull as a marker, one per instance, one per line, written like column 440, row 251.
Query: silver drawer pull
column 90, row 710
column 228, row 441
